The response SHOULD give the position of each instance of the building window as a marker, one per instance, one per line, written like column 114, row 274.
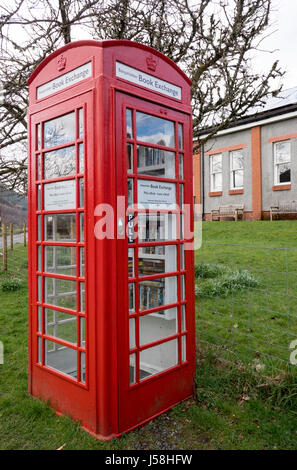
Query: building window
column 216, row 172
column 236, row 169
column 282, row 162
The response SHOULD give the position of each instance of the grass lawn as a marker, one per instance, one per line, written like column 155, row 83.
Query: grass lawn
column 256, row 323
column 234, row 407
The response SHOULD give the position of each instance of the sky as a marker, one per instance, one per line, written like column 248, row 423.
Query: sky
column 283, row 41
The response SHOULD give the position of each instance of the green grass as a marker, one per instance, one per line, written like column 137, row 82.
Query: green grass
column 234, row 406
column 256, row 323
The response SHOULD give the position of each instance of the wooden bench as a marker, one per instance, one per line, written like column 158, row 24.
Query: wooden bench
column 231, row 210
column 283, row 208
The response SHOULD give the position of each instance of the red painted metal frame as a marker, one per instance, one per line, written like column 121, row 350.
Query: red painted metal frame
column 106, row 406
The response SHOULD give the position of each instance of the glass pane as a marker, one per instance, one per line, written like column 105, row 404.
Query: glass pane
column 153, row 327
column 216, row 182
column 158, row 358
column 83, row 367
column 181, row 196
column 183, row 318
column 129, row 123
column 38, row 197
column 155, row 162
column 38, row 168
column 60, row 292
column 181, row 166
column 60, row 227
column 238, row 179
column 154, row 227
column 182, row 288
column 82, row 332
column 163, row 260
column 182, row 226
column 184, row 348
column 82, row 261
column 82, row 297
column 131, row 262
column 132, row 363
column 39, row 227
column 39, row 342
column 81, row 158
column 130, row 158
column 237, row 160
column 282, row 152
column 60, row 358
column 39, row 289
column 59, row 163
column 157, row 292
column 216, row 163
column 284, row 173
column 155, row 130
column 39, row 258
column 82, row 226
column 39, row 327
column 80, row 124
column 131, row 298
column 130, row 192
column 81, row 192
column 132, row 333
column 38, row 136
column 61, row 325
column 59, row 131
column 60, row 260
column 180, row 137
column 182, row 257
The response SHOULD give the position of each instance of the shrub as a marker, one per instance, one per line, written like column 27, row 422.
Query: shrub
column 11, row 285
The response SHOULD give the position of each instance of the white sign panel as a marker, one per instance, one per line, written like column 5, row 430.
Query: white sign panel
column 156, row 195
column 148, row 81
column 60, row 196
column 69, row 78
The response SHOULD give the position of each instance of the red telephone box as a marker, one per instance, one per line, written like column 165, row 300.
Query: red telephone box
column 111, row 329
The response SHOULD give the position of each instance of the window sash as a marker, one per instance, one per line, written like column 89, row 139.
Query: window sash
column 236, row 169
column 216, row 172
column 282, row 158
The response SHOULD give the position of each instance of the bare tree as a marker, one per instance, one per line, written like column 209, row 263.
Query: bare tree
column 211, row 40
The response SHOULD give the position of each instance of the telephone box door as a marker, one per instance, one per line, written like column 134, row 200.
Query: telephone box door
column 155, row 281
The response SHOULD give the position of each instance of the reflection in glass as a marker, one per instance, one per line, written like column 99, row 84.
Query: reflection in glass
column 60, row 227
column 60, row 260
column 153, row 327
column 39, row 258
column 82, row 226
column 180, row 137
column 82, row 261
column 83, row 367
column 61, row 325
column 131, row 294
column 81, row 192
column 182, row 257
column 181, row 166
column 181, row 196
column 38, row 137
column 132, row 333
column 82, row 332
column 39, row 289
column 163, row 260
column 81, row 158
column 61, row 358
column 59, row 131
column 38, row 168
column 157, row 292
column 183, row 318
column 38, row 197
column 39, row 359
column 130, row 158
column 130, row 192
column 155, row 162
column 156, row 227
column 80, row 124
column 184, row 348
column 130, row 262
column 39, row 327
column 155, row 130
column 59, row 163
column 129, row 123
column 132, row 363
column 158, row 358
column 82, row 297
column 60, row 292
column 39, row 227
column 182, row 288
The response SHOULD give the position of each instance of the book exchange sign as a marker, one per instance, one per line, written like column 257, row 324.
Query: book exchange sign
column 156, row 195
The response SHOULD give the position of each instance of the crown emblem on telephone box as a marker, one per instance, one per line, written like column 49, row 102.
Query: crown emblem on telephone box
column 151, row 63
column 61, row 63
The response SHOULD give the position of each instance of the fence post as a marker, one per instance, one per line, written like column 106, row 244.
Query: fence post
column 25, row 234
column 11, row 236
column 4, row 236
